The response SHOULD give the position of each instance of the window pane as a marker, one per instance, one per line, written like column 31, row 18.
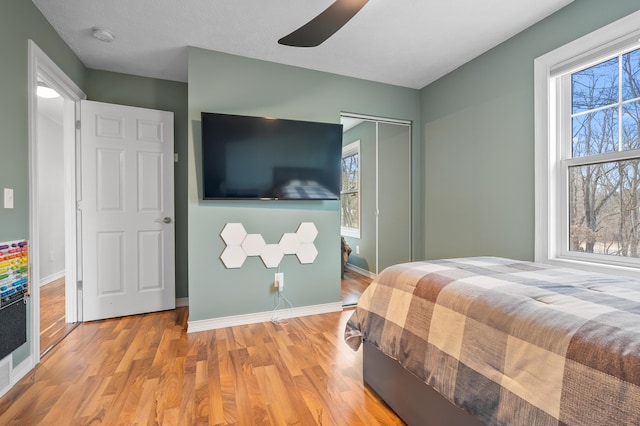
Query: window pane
column 604, row 208
column 595, row 133
column 595, row 87
column 631, row 126
column 350, row 169
column 350, row 216
column 631, row 75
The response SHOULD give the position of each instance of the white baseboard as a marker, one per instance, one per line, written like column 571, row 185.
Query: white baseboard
column 51, row 278
column 361, row 271
column 215, row 323
column 5, row 374
column 16, row 374
column 21, row 370
column 182, row 301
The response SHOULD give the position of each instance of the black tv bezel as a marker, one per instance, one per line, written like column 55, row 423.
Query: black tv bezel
column 279, row 199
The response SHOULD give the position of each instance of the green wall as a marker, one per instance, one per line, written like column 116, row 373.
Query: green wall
column 478, row 126
column 226, row 83
column 163, row 95
column 20, row 21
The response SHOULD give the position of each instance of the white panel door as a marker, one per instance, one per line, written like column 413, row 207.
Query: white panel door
column 127, row 210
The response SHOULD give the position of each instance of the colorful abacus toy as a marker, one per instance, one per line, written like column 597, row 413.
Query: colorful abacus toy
column 14, row 272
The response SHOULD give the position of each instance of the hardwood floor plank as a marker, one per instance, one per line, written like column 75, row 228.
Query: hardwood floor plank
column 53, row 327
column 201, row 392
column 245, row 410
column 145, row 411
column 122, row 388
column 315, row 402
column 67, row 405
column 353, row 284
column 187, row 395
column 227, row 386
column 146, row 370
column 216, row 405
column 94, row 408
column 31, row 404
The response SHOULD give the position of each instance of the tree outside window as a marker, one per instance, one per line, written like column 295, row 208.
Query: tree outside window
column 350, row 193
column 602, row 159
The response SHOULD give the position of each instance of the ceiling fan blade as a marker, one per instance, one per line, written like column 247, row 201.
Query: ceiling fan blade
column 324, row 25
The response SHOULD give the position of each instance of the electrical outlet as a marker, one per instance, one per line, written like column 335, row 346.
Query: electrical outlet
column 279, row 280
column 8, row 198
column 357, row 249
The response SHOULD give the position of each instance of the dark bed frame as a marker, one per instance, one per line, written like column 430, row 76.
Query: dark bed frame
column 415, row 402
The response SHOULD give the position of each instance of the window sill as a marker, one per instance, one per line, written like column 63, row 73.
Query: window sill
column 626, row 271
column 350, row 232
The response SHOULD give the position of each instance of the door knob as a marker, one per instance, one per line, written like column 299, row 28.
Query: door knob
column 164, row 220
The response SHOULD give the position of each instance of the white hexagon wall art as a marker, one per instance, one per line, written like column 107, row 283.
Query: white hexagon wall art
column 233, row 234
column 271, row 255
column 240, row 245
column 233, row 257
column 289, row 243
column 307, row 253
column 253, row 244
column 307, row 232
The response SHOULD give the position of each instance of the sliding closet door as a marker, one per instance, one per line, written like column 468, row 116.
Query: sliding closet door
column 394, row 194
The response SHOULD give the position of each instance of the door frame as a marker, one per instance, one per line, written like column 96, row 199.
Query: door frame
column 41, row 66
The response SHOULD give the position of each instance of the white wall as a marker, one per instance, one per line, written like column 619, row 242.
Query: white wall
column 51, row 189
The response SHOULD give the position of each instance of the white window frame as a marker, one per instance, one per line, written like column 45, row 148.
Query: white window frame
column 353, row 149
column 550, row 200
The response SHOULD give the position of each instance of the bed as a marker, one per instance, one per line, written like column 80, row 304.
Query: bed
column 488, row 340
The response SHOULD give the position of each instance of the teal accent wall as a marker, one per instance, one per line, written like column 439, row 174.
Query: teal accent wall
column 20, row 21
column 365, row 132
column 224, row 83
column 478, row 124
column 143, row 92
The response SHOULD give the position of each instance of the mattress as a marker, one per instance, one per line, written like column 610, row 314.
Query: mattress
column 511, row 342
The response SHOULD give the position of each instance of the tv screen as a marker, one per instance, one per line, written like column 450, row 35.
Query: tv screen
column 246, row 157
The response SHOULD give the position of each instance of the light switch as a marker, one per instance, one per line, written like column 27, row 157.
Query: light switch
column 8, row 198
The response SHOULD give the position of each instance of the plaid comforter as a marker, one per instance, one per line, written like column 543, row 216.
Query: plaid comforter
column 511, row 342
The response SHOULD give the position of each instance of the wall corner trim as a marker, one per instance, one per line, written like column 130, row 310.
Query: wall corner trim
column 231, row 321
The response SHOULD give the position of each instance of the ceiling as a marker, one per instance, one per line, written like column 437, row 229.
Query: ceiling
column 408, row 43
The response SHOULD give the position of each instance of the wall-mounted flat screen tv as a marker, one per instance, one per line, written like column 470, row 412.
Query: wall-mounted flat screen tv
column 246, row 157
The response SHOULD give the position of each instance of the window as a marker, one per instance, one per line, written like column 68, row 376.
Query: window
column 602, row 157
column 350, row 193
column 588, row 152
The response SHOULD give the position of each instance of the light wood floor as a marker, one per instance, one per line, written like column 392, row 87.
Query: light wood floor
column 146, row 369
column 52, row 316
column 353, row 284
